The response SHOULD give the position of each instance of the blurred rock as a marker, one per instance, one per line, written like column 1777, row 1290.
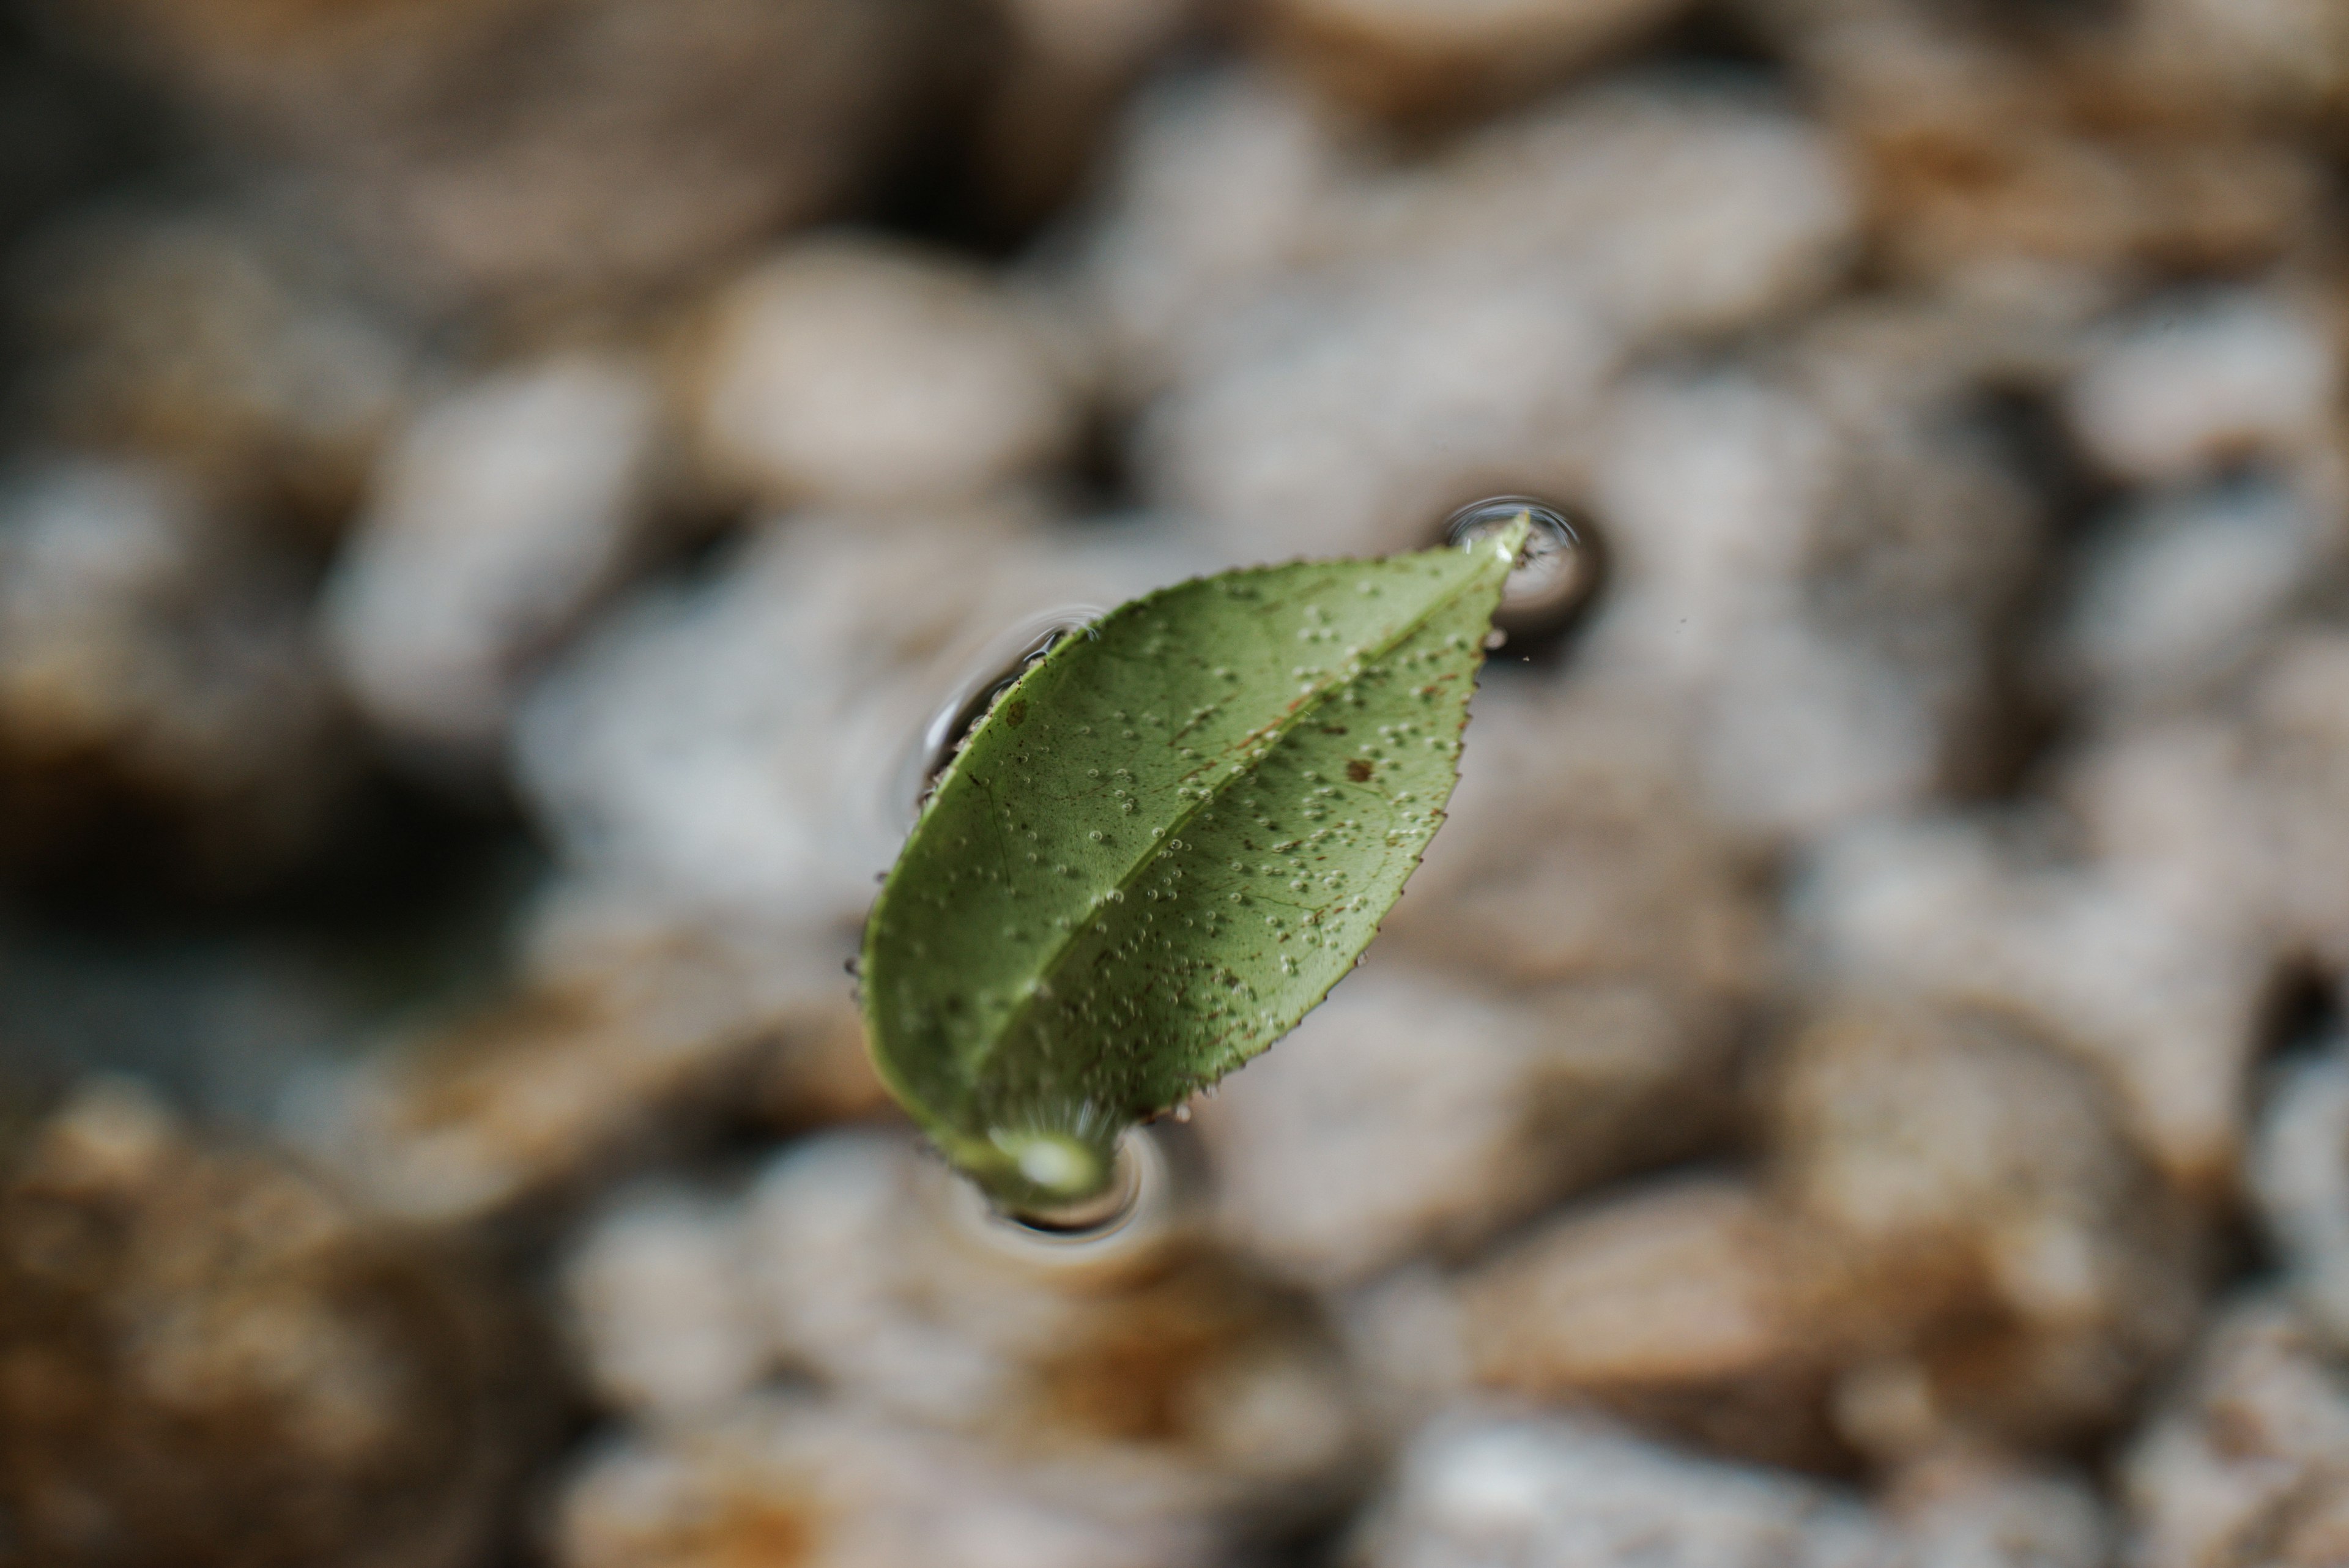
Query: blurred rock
column 1815, row 554
column 1152, row 1375
column 2249, row 1462
column 527, row 150
column 2178, row 593
column 626, row 1036
column 1677, row 209
column 858, row 372
column 2028, row 1264
column 2299, row 1176
column 1353, row 418
column 825, row 1077
column 211, row 1361
column 1716, row 494
column 160, row 709
column 1967, row 1509
column 1423, row 335
column 2196, row 383
column 495, row 520
column 660, row 1306
column 2230, row 814
column 785, row 1481
column 1982, row 152
column 221, row 344
column 2270, row 63
column 1416, row 57
column 755, row 741
column 1578, row 1493
column 2295, row 740
column 1220, row 181
column 1412, row 1114
column 2163, row 998
column 1698, row 1307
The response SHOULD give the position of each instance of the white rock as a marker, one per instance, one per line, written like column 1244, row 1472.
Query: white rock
column 2181, row 589
column 2298, row 1175
column 1673, row 210
column 1804, row 569
column 495, row 520
column 2230, row 812
column 853, row 372
column 1220, row 182
column 1807, row 731
column 1353, row 420
column 1713, row 489
column 2293, row 725
column 2250, row 1461
column 2162, row 1000
column 1408, row 1112
column 1366, row 348
column 2197, row 382
column 1575, row 1493
column 658, row 1301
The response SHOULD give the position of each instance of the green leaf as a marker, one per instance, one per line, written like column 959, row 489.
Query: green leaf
column 1163, row 846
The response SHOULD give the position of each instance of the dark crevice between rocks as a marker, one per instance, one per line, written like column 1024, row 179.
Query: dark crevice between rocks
column 211, row 997
column 2029, row 723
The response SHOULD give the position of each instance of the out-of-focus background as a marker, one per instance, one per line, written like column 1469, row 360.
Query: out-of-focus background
column 498, row 495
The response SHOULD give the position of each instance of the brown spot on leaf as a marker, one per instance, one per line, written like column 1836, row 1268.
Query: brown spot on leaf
column 1359, row 771
column 1016, row 715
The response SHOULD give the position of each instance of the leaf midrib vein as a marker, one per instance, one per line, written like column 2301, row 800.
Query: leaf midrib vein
column 1279, row 730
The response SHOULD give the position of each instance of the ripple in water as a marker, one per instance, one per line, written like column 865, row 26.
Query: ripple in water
column 1007, row 658
column 1132, row 1213
column 1558, row 572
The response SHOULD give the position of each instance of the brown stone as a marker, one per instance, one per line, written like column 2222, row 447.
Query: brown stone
column 529, row 150
column 207, row 1358
column 1700, row 1308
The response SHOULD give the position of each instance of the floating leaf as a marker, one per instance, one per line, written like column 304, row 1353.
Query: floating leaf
column 1163, row 845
